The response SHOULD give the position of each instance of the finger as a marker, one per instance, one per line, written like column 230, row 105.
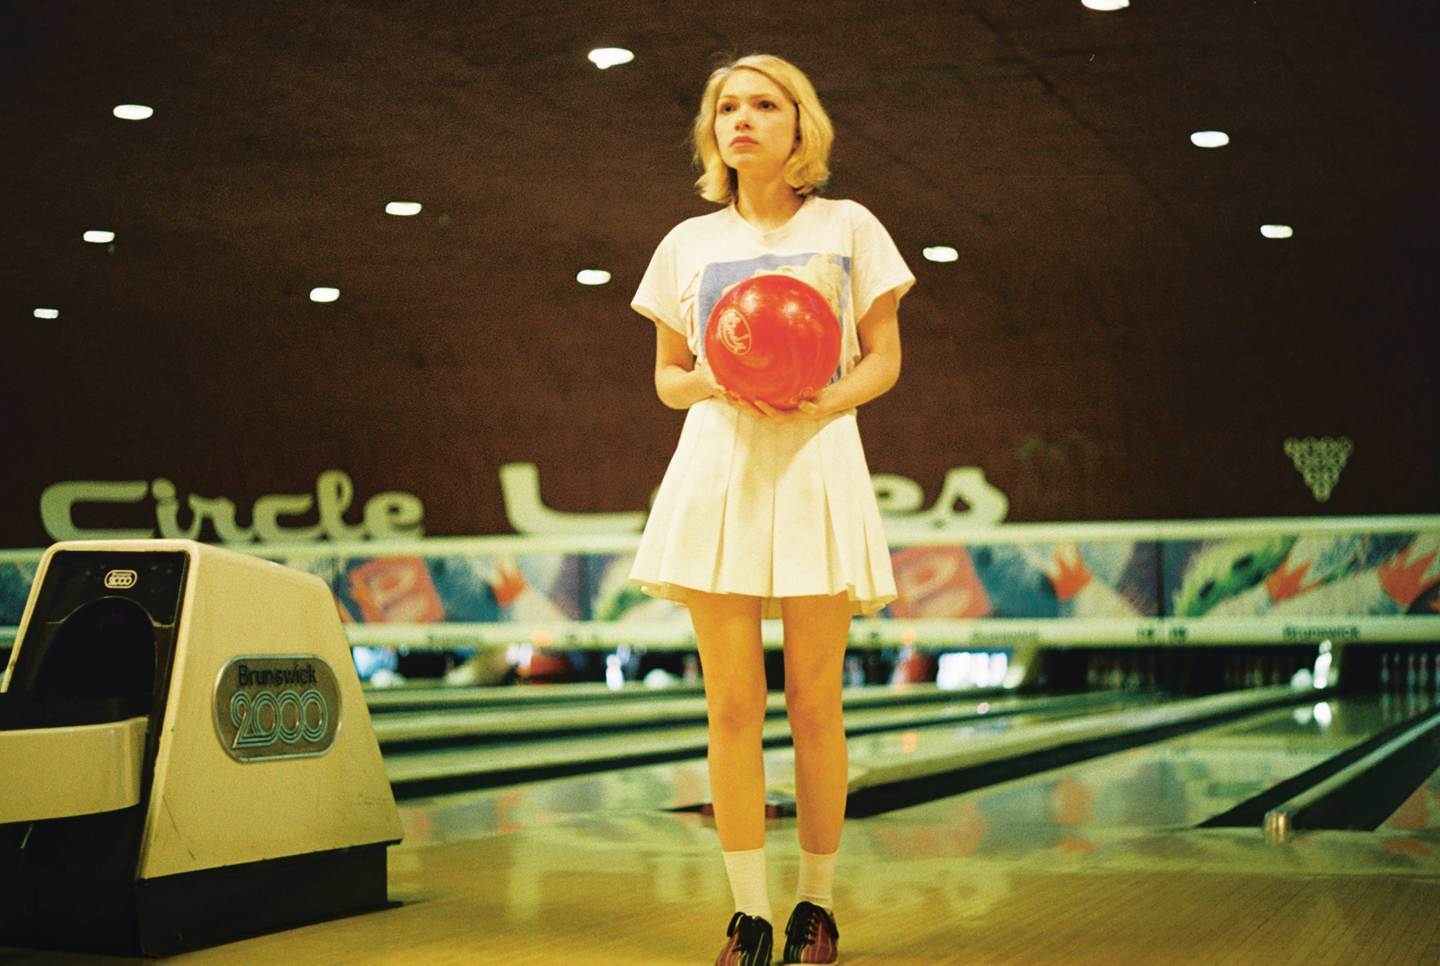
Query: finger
column 740, row 402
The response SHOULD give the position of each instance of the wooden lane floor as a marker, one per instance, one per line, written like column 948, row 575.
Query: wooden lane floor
column 951, row 882
column 681, row 784
column 674, row 785
column 1181, row 782
column 403, row 731
column 1178, row 782
column 947, row 882
column 413, row 698
column 427, row 697
column 651, row 890
column 588, row 709
column 432, row 751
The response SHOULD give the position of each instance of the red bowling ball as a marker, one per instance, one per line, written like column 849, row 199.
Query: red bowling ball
column 773, row 338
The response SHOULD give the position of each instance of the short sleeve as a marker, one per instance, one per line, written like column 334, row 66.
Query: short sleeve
column 879, row 266
column 657, row 298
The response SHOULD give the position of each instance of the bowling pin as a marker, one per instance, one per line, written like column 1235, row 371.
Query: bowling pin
column 854, row 672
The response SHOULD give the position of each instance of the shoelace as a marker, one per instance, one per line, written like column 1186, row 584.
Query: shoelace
column 750, row 931
column 805, row 923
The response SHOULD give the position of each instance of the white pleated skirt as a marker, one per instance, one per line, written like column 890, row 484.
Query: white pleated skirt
column 772, row 510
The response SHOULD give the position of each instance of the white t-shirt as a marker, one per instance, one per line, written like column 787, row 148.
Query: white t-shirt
column 836, row 246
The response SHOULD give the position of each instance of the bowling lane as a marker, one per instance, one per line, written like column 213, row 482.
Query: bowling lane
column 398, row 732
column 431, row 714
column 385, row 701
column 1183, row 781
column 581, row 741
column 617, row 793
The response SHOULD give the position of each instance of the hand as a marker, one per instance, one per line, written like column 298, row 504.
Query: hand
column 720, row 392
column 810, row 406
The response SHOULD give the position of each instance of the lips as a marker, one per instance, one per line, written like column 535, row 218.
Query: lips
column 742, row 140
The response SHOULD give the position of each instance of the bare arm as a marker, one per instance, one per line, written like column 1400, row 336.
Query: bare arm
column 679, row 382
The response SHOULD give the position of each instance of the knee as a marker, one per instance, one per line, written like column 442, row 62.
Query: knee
column 813, row 711
column 736, row 714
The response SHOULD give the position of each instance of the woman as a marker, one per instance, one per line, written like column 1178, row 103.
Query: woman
column 768, row 512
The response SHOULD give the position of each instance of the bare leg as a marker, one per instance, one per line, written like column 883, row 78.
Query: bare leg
column 816, row 630
column 727, row 628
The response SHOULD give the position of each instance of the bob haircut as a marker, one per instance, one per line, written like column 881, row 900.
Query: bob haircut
column 809, row 166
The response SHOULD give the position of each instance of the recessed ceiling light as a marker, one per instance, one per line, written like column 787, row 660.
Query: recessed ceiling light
column 99, row 237
column 47, row 313
column 1209, row 139
column 607, row 57
column 403, row 208
column 1106, row 5
column 592, row 276
column 941, row 253
column 133, row 112
column 324, row 294
column 1276, row 231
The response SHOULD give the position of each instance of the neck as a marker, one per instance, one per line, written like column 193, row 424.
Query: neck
column 766, row 204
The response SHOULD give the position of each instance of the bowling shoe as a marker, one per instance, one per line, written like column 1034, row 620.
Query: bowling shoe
column 750, row 941
column 811, row 936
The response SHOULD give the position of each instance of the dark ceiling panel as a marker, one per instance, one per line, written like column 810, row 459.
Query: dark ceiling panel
column 1113, row 287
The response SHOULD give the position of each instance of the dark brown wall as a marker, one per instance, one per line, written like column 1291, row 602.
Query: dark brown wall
column 1116, row 342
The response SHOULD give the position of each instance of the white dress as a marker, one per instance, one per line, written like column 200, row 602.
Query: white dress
column 749, row 505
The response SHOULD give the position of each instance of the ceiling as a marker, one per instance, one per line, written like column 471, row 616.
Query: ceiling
column 1112, row 279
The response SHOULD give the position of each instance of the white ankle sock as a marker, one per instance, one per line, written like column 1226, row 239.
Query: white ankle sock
column 817, row 879
column 747, row 882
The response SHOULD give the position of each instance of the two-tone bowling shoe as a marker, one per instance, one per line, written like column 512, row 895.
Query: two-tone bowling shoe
column 749, row 942
column 811, row 935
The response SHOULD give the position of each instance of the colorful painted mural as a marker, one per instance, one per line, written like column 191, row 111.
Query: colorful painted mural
column 529, row 588
column 1323, row 575
column 1027, row 580
column 1285, row 576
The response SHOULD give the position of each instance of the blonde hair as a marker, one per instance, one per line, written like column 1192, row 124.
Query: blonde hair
column 808, row 168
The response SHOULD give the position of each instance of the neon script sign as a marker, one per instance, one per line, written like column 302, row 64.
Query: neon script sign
column 274, row 518
column 966, row 499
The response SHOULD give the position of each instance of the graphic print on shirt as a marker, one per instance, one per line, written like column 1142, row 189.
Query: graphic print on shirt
column 828, row 274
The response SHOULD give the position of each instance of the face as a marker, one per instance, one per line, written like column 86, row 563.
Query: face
column 755, row 123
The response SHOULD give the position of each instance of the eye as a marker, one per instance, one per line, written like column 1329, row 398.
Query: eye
column 768, row 105
column 726, row 108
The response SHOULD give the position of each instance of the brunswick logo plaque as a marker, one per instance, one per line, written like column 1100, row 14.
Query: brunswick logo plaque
column 277, row 706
